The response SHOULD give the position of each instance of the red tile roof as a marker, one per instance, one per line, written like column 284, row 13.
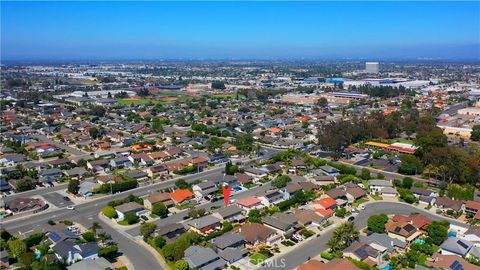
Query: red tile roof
column 326, row 202
column 181, row 195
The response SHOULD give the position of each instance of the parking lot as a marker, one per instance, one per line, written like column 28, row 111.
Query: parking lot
column 56, row 199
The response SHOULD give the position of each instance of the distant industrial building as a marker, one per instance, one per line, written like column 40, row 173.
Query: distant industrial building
column 372, row 67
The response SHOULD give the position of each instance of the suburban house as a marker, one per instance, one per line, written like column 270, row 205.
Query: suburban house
column 59, row 233
column 455, row 246
column 417, row 192
column 181, row 196
column 231, row 213
column 158, row 197
column 259, row 234
column 335, row 264
column 204, row 225
column 228, row 240
column 472, row 235
column 50, row 175
column 324, row 180
column 76, row 173
column 136, row 174
column 69, row 252
column 256, row 173
column 282, row 222
column 329, row 170
column 99, row 165
column 96, row 264
column 441, row 261
column 272, row 197
column 243, row 178
column 171, row 231
column 120, row 162
column 376, row 186
column 204, row 188
column 370, row 254
column 308, row 218
column 202, row 258
column 384, row 240
column 250, row 203
column 472, row 207
column 291, row 189
column 403, row 231
column 128, row 207
column 141, row 159
column 445, row 203
column 156, row 170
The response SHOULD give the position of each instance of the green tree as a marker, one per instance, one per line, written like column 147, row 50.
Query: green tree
column 410, row 165
column 17, row 247
column 365, row 174
column 131, row 218
column 281, row 181
column 181, row 184
column 88, row 236
column 475, row 136
column 160, row 210
column 146, row 230
column 157, row 125
column 73, row 186
column 376, row 223
column 159, row 241
column 407, row 182
column 181, row 265
column 340, row 212
column 254, row 216
column 109, row 212
column 437, row 231
column 343, row 237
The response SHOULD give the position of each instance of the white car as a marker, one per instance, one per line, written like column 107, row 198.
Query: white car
column 71, row 207
column 362, row 207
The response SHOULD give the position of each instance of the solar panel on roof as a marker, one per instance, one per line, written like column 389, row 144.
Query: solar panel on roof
column 397, row 229
column 462, row 244
column 54, row 236
column 409, row 227
column 456, row 266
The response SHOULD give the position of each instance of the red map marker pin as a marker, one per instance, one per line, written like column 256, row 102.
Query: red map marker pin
column 226, row 194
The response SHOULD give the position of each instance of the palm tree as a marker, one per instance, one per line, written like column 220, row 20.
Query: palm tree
column 343, row 237
column 95, row 226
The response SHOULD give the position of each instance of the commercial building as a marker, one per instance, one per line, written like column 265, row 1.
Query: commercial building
column 372, row 67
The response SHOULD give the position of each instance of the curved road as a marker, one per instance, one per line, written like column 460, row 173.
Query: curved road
column 312, row 248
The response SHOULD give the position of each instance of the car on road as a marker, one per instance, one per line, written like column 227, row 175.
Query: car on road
column 66, row 198
column 362, row 207
column 71, row 207
column 351, row 218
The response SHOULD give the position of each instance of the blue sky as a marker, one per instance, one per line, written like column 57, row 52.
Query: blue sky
column 162, row 30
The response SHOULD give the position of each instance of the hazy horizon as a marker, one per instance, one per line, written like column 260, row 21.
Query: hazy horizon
column 109, row 31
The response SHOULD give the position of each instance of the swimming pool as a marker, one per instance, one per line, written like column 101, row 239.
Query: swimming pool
column 452, row 234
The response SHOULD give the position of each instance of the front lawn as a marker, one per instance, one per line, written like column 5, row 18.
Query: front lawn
column 257, row 258
column 185, row 206
column 360, row 201
column 376, row 197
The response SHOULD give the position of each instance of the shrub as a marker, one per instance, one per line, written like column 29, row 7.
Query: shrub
column 109, row 212
column 108, row 252
column 89, row 236
column 159, row 241
column 131, row 218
